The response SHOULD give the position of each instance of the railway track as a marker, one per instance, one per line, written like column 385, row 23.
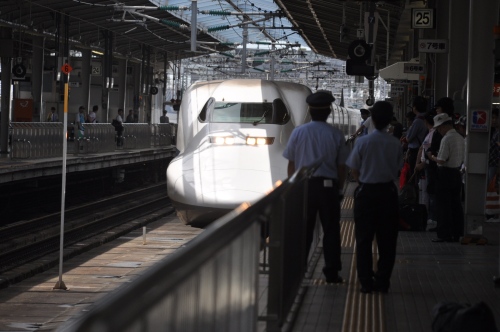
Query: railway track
column 26, row 241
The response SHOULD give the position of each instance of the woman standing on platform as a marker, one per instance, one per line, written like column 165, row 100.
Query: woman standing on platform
column 375, row 161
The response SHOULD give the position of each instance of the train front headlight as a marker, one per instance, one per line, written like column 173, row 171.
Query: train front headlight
column 222, row 140
column 260, row 140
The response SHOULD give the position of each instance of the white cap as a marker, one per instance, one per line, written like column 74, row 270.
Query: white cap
column 440, row 119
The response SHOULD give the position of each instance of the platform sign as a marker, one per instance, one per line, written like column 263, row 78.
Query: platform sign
column 394, row 94
column 66, row 68
column 433, row 45
column 496, row 90
column 414, row 68
column 96, row 70
column 422, row 18
column 397, row 89
column 479, row 121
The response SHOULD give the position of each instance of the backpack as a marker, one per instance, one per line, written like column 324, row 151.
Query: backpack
column 462, row 317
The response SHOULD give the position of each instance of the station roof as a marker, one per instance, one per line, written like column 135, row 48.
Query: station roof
column 158, row 25
column 320, row 22
column 140, row 22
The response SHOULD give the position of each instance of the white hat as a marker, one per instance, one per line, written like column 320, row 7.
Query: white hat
column 440, row 119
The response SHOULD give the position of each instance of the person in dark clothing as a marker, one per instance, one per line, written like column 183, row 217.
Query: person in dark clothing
column 308, row 143
column 130, row 117
column 416, row 132
column 445, row 105
column 429, row 147
column 396, row 128
column 449, row 159
column 375, row 161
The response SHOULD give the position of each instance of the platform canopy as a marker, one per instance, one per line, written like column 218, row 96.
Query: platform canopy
column 164, row 26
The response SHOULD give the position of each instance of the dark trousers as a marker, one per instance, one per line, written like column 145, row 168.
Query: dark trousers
column 376, row 214
column 450, row 214
column 325, row 201
column 412, row 159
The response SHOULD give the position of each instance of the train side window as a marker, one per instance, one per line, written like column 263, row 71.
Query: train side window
column 209, row 105
column 280, row 112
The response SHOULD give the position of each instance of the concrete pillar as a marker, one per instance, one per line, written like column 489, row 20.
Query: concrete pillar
column 122, row 84
column 6, row 54
column 441, row 60
column 37, row 79
column 458, row 53
column 483, row 16
column 85, row 79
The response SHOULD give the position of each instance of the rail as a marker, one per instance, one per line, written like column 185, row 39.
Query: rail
column 212, row 283
column 35, row 140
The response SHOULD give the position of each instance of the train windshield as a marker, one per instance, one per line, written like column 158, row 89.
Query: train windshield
column 240, row 112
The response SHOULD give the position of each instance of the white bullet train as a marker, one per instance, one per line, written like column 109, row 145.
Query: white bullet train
column 231, row 135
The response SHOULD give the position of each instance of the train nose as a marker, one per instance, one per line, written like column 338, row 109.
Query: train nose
column 225, row 176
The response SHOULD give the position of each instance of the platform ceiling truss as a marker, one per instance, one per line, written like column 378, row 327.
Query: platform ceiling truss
column 320, row 21
column 137, row 23
column 154, row 24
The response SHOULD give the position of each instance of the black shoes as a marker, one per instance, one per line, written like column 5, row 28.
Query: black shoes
column 377, row 286
column 366, row 290
column 448, row 239
column 374, row 288
column 335, row 280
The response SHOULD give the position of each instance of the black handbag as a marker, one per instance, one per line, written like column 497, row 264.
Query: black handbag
column 408, row 194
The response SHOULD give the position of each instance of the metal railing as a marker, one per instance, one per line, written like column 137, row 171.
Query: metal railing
column 99, row 137
column 31, row 140
column 162, row 134
column 136, row 135
column 211, row 284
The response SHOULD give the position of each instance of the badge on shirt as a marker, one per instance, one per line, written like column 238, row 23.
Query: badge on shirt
column 327, row 183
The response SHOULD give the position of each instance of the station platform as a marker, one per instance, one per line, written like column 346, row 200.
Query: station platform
column 24, row 169
column 425, row 274
column 32, row 304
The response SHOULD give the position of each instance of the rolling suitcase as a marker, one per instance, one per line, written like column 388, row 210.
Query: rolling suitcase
column 412, row 217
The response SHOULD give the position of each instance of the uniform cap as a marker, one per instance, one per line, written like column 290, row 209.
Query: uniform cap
column 440, row 119
column 320, row 99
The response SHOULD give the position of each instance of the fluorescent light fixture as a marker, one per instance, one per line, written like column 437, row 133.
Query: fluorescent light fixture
column 97, row 52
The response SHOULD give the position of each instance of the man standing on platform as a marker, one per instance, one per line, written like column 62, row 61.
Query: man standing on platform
column 450, row 215
column 309, row 143
column 53, row 117
column 92, row 116
column 375, row 161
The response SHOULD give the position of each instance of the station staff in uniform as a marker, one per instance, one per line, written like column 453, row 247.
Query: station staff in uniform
column 310, row 142
column 450, row 215
column 375, row 161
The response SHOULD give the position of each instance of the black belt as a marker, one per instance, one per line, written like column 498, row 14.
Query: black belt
column 377, row 183
column 321, row 178
column 450, row 168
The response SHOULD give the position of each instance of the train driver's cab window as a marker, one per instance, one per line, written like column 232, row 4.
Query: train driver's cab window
column 209, row 105
column 241, row 112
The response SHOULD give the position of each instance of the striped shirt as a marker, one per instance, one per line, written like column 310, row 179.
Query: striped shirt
column 451, row 150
